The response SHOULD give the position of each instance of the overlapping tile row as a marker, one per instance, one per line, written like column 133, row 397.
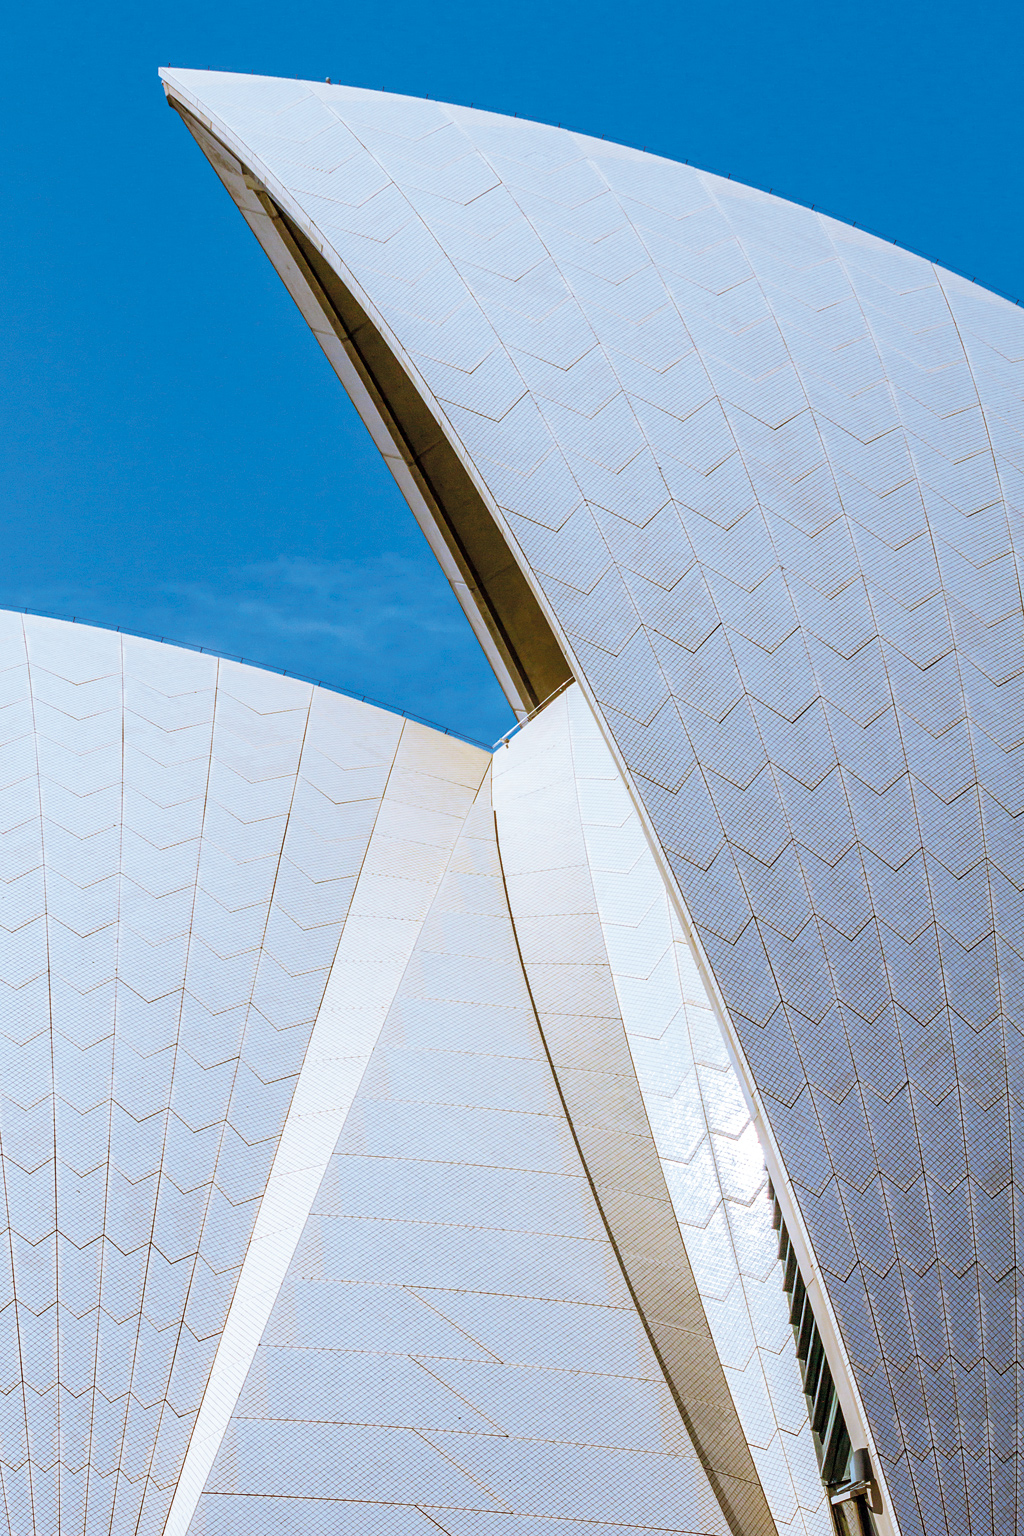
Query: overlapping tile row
column 455, row 1347
column 765, row 471
column 182, row 838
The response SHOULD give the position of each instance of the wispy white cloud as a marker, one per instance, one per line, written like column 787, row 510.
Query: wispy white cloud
column 358, row 605
column 387, row 626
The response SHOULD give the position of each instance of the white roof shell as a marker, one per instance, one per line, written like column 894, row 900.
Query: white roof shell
column 762, row 474
column 212, row 878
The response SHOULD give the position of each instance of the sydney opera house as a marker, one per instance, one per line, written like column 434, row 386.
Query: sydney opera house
column 614, row 1131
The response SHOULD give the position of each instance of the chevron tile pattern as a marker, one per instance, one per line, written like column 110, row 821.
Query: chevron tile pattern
column 183, row 838
column 766, row 472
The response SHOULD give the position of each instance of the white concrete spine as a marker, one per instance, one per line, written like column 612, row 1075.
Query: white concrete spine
column 557, row 772
column 702, row 1127
column 454, row 1347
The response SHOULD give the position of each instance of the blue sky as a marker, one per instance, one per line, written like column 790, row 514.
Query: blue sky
column 178, row 457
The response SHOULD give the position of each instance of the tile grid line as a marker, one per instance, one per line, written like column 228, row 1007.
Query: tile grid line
column 37, row 1520
column 110, row 1113
column 110, row 1123
column 106, row 1183
column 116, row 1474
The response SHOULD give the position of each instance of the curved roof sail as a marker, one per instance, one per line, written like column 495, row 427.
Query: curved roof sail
column 754, row 478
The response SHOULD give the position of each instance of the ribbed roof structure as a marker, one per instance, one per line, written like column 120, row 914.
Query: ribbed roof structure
column 754, row 478
column 490, row 1319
